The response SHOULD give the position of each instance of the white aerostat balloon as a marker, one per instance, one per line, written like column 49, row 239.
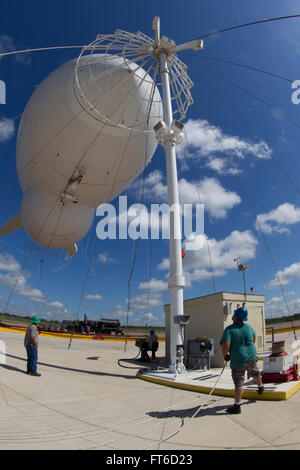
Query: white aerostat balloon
column 84, row 137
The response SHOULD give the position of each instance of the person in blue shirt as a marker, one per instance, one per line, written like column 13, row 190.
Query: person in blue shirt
column 238, row 346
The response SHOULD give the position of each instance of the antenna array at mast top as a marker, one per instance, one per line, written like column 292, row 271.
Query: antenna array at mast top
column 139, row 48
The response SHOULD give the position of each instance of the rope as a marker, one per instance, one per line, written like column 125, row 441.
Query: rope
column 211, row 392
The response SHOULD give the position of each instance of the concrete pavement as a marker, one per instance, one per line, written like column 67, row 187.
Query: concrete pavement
column 87, row 398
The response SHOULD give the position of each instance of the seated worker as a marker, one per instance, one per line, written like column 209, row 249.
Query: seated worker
column 149, row 344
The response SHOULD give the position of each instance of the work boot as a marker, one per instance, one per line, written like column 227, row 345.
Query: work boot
column 234, row 410
column 35, row 374
column 261, row 390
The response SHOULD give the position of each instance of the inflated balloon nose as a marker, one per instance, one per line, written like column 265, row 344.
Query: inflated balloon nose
column 51, row 224
column 86, row 134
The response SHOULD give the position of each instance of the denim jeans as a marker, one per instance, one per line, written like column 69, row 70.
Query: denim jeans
column 32, row 358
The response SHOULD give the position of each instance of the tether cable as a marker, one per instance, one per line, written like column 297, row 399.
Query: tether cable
column 135, row 245
column 120, row 162
column 247, row 126
column 252, row 23
column 247, row 67
column 273, row 108
column 200, row 200
column 260, row 230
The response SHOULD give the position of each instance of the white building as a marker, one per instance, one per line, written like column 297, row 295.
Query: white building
column 211, row 314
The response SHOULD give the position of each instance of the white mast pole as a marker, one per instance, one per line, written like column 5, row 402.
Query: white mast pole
column 168, row 133
column 176, row 280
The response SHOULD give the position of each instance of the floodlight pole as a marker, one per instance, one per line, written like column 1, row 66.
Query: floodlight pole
column 168, row 135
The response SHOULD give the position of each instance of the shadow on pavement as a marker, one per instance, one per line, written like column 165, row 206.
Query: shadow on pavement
column 71, row 369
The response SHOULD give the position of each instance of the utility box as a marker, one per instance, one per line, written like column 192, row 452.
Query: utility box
column 211, row 314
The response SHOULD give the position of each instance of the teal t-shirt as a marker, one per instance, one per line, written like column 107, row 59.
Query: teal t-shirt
column 242, row 348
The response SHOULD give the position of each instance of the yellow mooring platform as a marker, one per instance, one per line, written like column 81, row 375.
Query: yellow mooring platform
column 219, row 383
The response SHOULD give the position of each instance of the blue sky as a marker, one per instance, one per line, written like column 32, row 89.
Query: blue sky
column 241, row 153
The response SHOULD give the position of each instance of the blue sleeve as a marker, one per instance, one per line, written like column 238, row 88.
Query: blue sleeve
column 226, row 336
column 253, row 332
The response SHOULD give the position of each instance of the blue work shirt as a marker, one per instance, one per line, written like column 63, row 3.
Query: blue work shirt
column 241, row 339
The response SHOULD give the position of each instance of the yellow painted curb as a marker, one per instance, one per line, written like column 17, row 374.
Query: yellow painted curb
column 13, row 330
column 249, row 394
column 68, row 335
column 283, row 330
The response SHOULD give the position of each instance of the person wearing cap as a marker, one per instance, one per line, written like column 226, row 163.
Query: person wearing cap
column 238, row 346
column 31, row 343
column 149, row 344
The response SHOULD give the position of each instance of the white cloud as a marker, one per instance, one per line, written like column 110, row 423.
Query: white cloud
column 216, row 199
column 105, row 258
column 217, row 164
column 56, row 304
column 221, row 166
column 208, row 191
column 149, row 317
column 7, row 129
column 274, row 300
column 286, row 276
column 9, row 264
column 119, row 311
column 205, row 141
column 93, row 297
column 7, row 44
column 221, row 254
column 143, row 301
column 156, row 285
column 11, row 277
column 275, row 309
column 19, row 284
column 278, row 219
column 164, row 265
column 38, row 300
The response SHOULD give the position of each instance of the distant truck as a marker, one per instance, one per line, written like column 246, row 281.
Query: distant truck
column 107, row 326
column 68, row 325
column 104, row 326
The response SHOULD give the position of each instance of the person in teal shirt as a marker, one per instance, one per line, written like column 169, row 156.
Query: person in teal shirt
column 238, row 346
